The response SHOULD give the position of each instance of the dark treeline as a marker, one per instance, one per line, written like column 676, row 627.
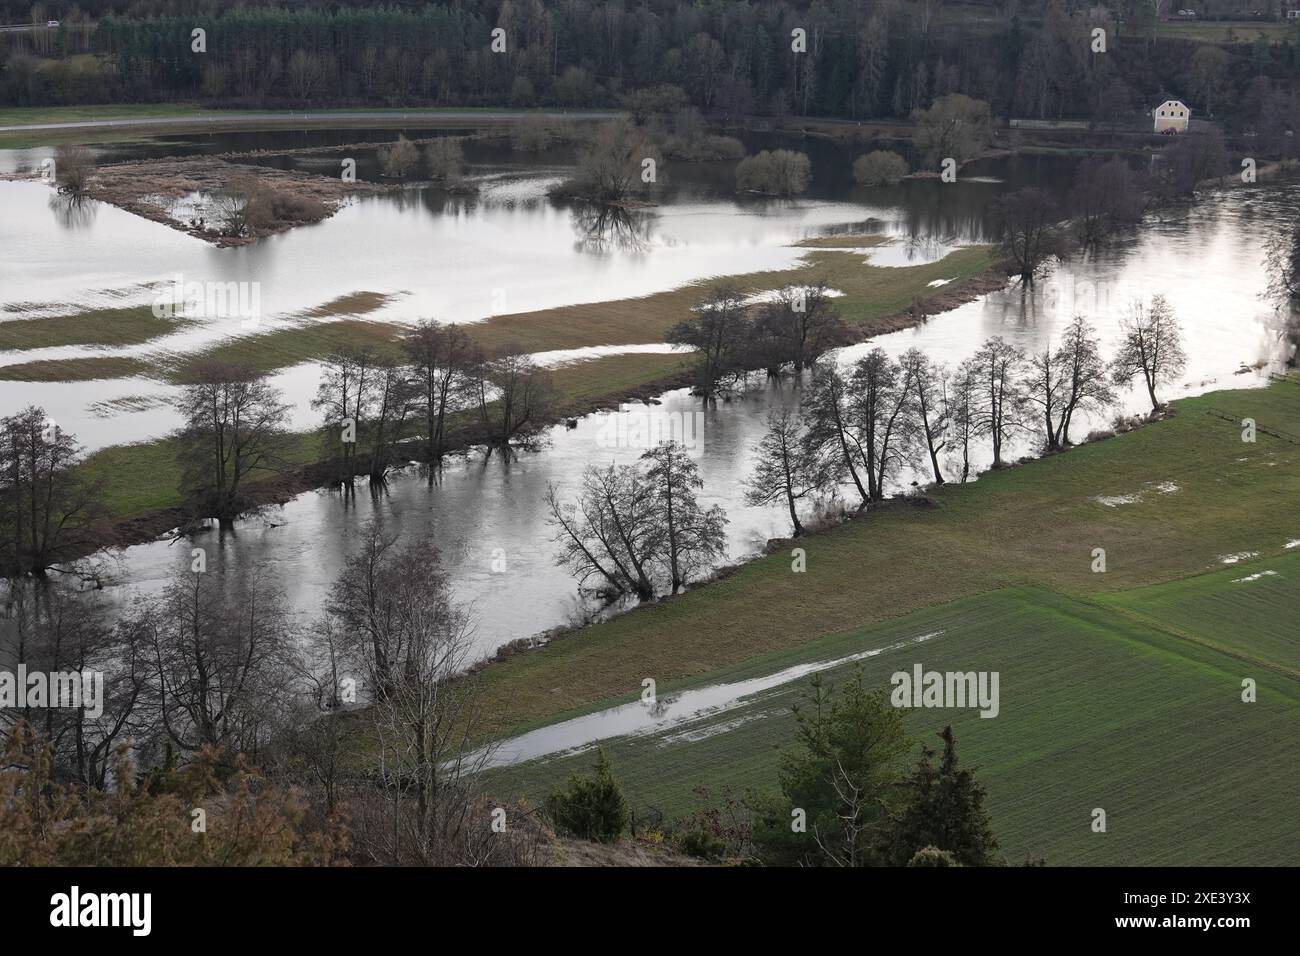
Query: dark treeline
column 855, row 59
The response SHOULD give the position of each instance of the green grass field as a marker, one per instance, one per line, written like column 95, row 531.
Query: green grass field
column 1096, row 709
column 1119, row 690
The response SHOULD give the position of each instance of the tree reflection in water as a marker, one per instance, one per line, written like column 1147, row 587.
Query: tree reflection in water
column 73, row 211
column 602, row 229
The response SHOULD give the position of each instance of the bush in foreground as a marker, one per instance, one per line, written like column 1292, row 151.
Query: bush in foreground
column 593, row 807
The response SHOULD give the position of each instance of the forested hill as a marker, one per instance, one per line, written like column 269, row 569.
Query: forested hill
column 854, row 59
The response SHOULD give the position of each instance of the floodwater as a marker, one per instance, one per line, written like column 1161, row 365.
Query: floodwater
column 672, row 712
column 447, row 258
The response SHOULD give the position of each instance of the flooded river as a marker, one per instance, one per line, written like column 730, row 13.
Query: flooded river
column 443, row 257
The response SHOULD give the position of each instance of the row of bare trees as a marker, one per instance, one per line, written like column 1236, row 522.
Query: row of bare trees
column 236, row 422
column 865, row 424
column 372, row 402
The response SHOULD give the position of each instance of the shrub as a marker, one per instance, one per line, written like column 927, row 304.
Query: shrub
column 880, row 167
column 702, row 844
column 932, row 856
column 400, row 159
column 780, row 172
column 593, row 807
column 444, row 158
column 531, row 136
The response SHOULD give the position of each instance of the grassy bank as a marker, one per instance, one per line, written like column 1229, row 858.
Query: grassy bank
column 971, row 539
column 1121, row 688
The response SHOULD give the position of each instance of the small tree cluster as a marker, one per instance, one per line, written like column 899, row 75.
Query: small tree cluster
column 636, row 526
column 730, row 337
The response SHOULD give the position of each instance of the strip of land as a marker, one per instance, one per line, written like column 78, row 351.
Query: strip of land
column 876, row 300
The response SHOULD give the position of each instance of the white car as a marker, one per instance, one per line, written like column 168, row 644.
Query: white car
column 51, row 23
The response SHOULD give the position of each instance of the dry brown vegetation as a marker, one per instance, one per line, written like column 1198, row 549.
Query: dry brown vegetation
column 284, row 199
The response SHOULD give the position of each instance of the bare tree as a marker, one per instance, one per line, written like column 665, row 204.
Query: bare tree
column 1085, row 376
column 954, row 127
column 926, row 385
column 73, row 167
column 400, row 159
column 346, row 395
column 786, row 471
column 692, row 535
column 613, row 533
column 55, row 630
column 513, row 397
column 832, row 432
column 220, row 662
column 880, row 415
column 1028, row 231
column 439, row 356
column 804, row 325
column 963, row 410
column 612, row 168
column 1001, row 403
column 46, row 505
column 234, row 427
column 1151, row 347
column 394, row 396
column 412, row 644
column 1043, row 386
column 1105, row 197
column 717, row 332
column 445, row 159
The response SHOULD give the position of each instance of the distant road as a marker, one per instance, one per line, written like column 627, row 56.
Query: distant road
column 291, row 118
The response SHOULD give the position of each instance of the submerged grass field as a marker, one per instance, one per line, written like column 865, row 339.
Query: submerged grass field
column 1096, row 709
column 871, row 292
column 107, row 327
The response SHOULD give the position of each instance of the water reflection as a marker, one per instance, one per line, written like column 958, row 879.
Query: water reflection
column 604, row 229
column 73, row 211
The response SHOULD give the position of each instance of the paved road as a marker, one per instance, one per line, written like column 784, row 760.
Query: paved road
column 308, row 116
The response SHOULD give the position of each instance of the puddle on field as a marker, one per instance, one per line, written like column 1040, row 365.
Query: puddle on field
column 637, row 719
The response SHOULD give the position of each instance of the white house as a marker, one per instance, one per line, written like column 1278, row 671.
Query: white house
column 1171, row 116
